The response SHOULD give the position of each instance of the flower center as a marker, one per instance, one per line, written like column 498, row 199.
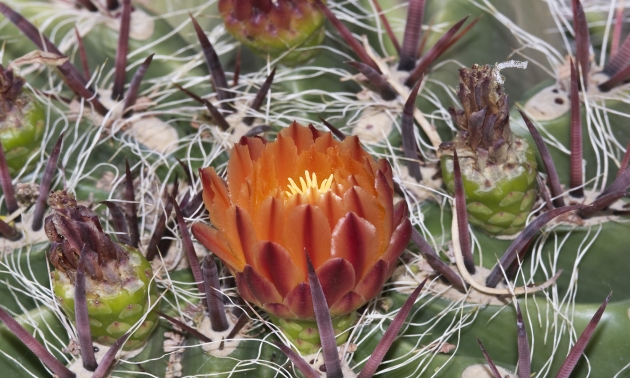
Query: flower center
column 309, row 183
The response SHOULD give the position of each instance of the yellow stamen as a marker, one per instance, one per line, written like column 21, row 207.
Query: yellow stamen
column 309, row 183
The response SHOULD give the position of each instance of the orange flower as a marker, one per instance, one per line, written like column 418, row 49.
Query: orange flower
column 305, row 191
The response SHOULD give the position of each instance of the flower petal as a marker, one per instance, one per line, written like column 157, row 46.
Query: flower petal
column 332, row 206
column 400, row 212
column 274, row 262
column 239, row 232
column 215, row 196
column 216, row 243
column 260, row 287
column 278, row 309
column 355, row 240
column 384, row 166
column 366, row 206
column 240, row 168
column 254, row 144
column 243, row 289
column 302, row 136
column 347, row 304
column 352, row 145
column 386, row 200
column 337, row 279
column 324, row 142
column 371, row 284
column 307, row 228
column 300, row 301
column 269, row 220
column 285, row 154
column 398, row 243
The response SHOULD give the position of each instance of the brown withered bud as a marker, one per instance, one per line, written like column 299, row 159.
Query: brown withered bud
column 73, row 226
column 10, row 91
column 485, row 114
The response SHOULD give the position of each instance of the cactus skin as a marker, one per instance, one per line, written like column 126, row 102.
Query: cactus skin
column 305, row 336
column 283, row 26
column 498, row 168
column 113, row 314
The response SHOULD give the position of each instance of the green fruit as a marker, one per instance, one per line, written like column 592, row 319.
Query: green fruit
column 120, row 289
column 276, row 28
column 501, row 206
column 498, row 168
column 114, row 309
column 22, row 121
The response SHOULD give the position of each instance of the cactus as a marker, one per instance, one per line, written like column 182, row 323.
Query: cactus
column 163, row 135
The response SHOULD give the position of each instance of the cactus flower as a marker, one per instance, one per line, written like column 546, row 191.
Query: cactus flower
column 119, row 291
column 304, row 192
column 274, row 27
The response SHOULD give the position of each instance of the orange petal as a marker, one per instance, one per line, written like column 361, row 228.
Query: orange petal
column 371, row 284
column 265, row 181
column 324, row 142
column 314, row 162
column 215, row 195
column 274, row 262
column 300, row 301
column 398, row 243
column 337, row 279
column 386, row 168
column 347, row 304
column 302, row 136
column 307, row 228
column 386, row 200
column 285, row 154
column 331, row 205
column 366, row 206
column 355, row 240
column 260, row 287
column 239, row 232
column 352, row 145
column 269, row 220
column 240, row 169
column 216, row 243
column 254, row 144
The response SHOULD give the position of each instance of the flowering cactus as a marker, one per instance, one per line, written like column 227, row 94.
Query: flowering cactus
column 347, row 223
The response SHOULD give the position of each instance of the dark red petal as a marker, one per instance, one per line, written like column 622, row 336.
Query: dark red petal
column 279, row 310
column 300, row 301
column 347, row 304
column 398, row 243
column 337, row 278
column 274, row 262
column 373, row 281
column 355, row 240
column 243, row 289
column 260, row 287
